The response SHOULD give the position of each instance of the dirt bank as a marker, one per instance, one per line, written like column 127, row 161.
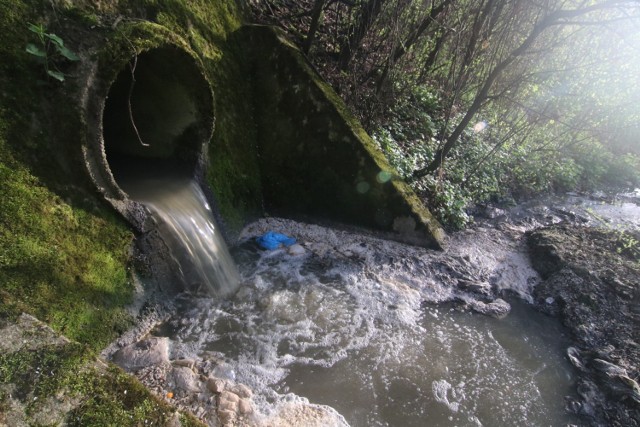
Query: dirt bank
column 591, row 281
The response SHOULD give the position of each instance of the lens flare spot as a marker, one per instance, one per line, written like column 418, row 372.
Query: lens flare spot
column 479, row 127
column 363, row 187
column 383, row 176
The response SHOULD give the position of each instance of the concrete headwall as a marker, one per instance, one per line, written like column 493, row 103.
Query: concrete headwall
column 316, row 160
column 244, row 110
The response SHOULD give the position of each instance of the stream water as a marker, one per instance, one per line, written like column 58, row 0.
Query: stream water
column 377, row 333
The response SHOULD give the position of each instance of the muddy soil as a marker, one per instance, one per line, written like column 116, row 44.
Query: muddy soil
column 591, row 280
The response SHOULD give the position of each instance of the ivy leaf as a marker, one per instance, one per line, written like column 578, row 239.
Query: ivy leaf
column 71, row 56
column 55, row 39
column 35, row 51
column 37, row 29
column 56, row 75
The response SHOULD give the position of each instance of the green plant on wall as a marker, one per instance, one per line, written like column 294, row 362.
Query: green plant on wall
column 48, row 50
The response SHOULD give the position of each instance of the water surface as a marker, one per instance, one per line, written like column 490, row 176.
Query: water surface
column 365, row 327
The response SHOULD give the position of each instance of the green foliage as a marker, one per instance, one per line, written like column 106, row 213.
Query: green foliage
column 42, row 372
column 49, row 50
column 448, row 201
column 406, row 157
column 115, row 399
column 628, row 244
column 479, row 171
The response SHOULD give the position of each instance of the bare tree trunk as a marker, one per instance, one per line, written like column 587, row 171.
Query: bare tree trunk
column 431, row 59
column 316, row 17
column 413, row 37
column 555, row 18
column 483, row 94
column 356, row 33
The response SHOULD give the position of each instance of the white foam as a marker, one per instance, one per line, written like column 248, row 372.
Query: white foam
column 345, row 322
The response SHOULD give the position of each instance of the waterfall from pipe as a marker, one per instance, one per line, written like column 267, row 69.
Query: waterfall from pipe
column 189, row 229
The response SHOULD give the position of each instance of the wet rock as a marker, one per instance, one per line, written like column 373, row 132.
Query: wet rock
column 296, row 250
column 226, row 417
column 616, row 379
column 607, row 368
column 575, row 357
column 228, row 405
column 215, row 385
column 498, row 308
column 242, row 390
column 596, row 302
column 481, row 288
column 308, row 415
column 188, row 363
column 633, row 389
column 229, row 396
column 148, row 352
column 245, row 407
column 185, row 379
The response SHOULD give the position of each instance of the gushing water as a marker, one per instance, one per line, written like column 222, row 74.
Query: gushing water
column 189, row 229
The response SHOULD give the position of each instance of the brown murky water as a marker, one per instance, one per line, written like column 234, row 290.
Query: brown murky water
column 369, row 329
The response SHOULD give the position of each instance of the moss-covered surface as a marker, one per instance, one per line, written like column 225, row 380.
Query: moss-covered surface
column 212, row 32
column 316, row 159
column 64, row 252
column 48, row 380
column 209, row 33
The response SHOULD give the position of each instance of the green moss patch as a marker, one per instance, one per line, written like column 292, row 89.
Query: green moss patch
column 47, row 380
column 112, row 397
column 64, row 264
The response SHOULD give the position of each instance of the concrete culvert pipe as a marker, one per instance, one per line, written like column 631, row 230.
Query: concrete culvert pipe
column 158, row 116
column 149, row 117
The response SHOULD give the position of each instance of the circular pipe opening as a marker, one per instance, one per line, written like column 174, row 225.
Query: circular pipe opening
column 157, row 117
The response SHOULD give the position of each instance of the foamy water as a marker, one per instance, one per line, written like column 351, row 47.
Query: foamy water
column 363, row 326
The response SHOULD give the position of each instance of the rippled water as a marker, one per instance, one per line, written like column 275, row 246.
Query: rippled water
column 364, row 326
column 378, row 333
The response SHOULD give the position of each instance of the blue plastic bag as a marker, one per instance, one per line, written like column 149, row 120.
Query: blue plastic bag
column 271, row 240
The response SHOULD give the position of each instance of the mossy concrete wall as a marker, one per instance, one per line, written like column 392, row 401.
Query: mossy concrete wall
column 282, row 140
column 65, row 253
column 317, row 161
